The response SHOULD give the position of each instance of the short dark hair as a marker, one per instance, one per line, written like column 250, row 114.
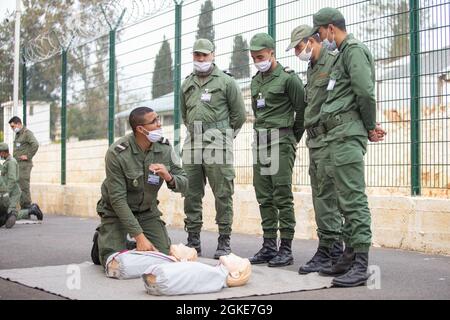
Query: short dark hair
column 340, row 24
column 137, row 116
column 15, row 120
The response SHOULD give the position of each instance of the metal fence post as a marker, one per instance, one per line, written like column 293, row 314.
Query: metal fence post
column 63, row 115
column 112, row 87
column 415, row 96
column 177, row 74
column 24, row 90
column 272, row 23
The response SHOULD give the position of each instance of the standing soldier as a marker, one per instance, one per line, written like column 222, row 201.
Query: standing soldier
column 308, row 47
column 25, row 147
column 348, row 119
column 213, row 111
column 278, row 105
column 10, row 192
column 137, row 165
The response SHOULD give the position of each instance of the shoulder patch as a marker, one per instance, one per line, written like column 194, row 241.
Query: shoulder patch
column 228, row 73
column 121, row 147
column 164, row 141
column 334, row 53
column 288, row 70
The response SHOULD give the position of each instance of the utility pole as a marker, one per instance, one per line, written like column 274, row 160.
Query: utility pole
column 17, row 56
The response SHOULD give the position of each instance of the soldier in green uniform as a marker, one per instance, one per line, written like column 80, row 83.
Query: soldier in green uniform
column 213, row 111
column 308, row 47
column 278, row 104
column 348, row 120
column 10, row 192
column 137, row 165
column 25, row 147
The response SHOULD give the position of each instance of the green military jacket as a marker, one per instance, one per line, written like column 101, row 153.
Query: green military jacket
column 10, row 175
column 354, row 74
column 25, row 144
column 128, row 188
column 316, row 92
column 284, row 102
column 216, row 102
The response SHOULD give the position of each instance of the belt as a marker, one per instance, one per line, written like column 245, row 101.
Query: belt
column 265, row 137
column 201, row 127
column 333, row 122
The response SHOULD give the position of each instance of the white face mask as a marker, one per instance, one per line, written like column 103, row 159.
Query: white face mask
column 16, row 130
column 330, row 45
column 264, row 66
column 155, row 135
column 306, row 56
column 202, row 66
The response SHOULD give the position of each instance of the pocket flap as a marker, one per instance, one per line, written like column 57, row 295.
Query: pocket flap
column 343, row 158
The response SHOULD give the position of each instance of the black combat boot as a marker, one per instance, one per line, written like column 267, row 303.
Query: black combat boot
column 193, row 241
column 268, row 252
column 357, row 275
column 11, row 221
column 336, row 251
column 36, row 211
column 223, row 246
column 284, row 256
column 95, row 255
column 342, row 266
column 320, row 260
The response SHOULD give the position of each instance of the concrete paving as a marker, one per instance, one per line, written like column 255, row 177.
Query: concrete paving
column 64, row 240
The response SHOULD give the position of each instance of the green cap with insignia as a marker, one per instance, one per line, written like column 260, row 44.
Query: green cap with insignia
column 261, row 41
column 298, row 34
column 326, row 16
column 4, row 147
column 204, row 46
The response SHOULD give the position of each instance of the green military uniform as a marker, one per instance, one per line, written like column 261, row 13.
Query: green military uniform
column 129, row 202
column 10, row 191
column 347, row 115
column 328, row 217
column 278, row 103
column 213, row 109
column 25, row 144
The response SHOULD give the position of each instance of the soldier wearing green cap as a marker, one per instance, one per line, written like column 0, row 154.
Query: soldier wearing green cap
column 278, row 105
column 308, row 48
column 25, row 148
column 213, row 111
column 10, row 192
column 347, row 119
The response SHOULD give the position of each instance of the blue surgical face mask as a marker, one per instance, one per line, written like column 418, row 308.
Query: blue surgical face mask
column 331, row 46
column 155, row 135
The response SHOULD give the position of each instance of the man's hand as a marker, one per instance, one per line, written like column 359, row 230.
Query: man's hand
column 378, row 134
column 142, row 243
column 23, row 158
column 161, row 171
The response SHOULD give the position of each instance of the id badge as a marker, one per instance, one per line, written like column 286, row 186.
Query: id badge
column 331, row 85
column 18, row 144
column 206, row 96
column 153, row 179
column 260, row 102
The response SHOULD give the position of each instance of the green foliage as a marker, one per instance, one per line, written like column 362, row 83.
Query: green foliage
column 240, row 61
column 163, row 72
column 205, row 22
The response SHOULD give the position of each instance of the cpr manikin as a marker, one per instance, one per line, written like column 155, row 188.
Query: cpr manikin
column 195, row 278
column 187, row 276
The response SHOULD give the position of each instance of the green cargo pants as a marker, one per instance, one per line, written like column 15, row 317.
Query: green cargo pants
column 221, row 179
column 24, row 183
column 346, row 169
column 112, row 236
column 274, row 191
column 329, row 219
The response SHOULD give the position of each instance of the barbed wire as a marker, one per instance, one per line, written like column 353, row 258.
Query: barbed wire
column 83, row 26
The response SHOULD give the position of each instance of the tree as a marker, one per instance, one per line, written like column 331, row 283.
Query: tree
column 240, row 61
column 205, row 22
column 393, row 26
column 163, row 71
